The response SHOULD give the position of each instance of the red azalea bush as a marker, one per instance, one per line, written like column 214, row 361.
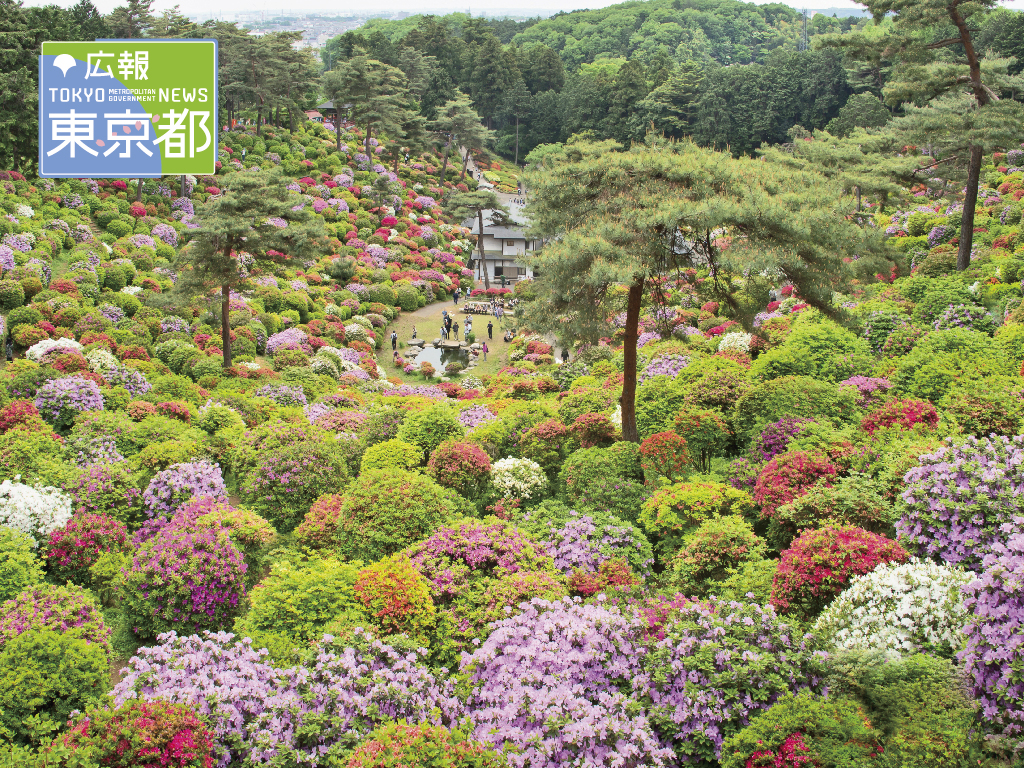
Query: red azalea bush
column 821, row 563
column 905, row 413
column 545, row 444
column 593, row 430
column 664, row 454
column 397, row 598
column 140, row 733
column 20, row 414
column 175, row 410
column 318, row 528
column 72, row 550
column 140, row 409
column 464, row 467
column 790, row 475
column 611, row 574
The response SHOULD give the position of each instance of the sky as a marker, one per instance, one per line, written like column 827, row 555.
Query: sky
column 356, row 7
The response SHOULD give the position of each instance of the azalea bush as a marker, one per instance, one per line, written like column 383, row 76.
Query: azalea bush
column 518, row 479
column 19, row 564
column 463, row 467
column 822, row 562
column 909, row 607
column 59, row 401
column 713, row 552
column 675, row 511
column 790, row 475
column 544, row 677
column 477, row 569
column 171, row 488
column 959, row 499
column 397, row 599
column 700, row 692
column 425, row 746
column 142, row 732
column 217, row 675
column 184, row 581
column 74, row 548
column 33, row 510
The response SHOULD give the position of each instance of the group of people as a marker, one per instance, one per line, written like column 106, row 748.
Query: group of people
column 450, row 327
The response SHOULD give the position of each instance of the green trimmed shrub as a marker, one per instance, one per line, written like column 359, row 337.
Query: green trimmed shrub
column 291, row 607
column 397, row 599
column 430, row 427
column 785, row 396
column 423, row 746
column 827, row 733
column 19, row 566
column 392, row 454
column 385, row 511
column 48, row 674
column 675, row 511
column 714, row 552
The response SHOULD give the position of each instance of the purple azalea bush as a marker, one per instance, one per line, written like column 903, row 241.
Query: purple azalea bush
column 223, row 678
column 962, row 499
column 776, row 437
column 324, row 708
column 476, row 415
column 129, row 378
column 870, row 390
column 718, row 665
column 59, row 401
column 993, row 657
column 585, row 539
column 664, row 365
column 184, row 580
column 557, row 682
column 175, row 485
column 283, row 395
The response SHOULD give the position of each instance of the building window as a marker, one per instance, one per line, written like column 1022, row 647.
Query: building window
column 521, row 271
column 499, row 270
column 510, row 242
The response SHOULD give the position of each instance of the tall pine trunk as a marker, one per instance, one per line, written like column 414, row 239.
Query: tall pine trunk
column 963, row 256
column 628, row 401
column 337, row 129
column 480, row 246
column 225, row 328
column 517, row 140
column 465, row 164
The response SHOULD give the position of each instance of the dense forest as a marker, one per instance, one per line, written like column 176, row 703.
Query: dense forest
column 728, row 74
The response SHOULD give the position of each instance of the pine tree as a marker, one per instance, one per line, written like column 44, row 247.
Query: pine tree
column 132, row 20
column 458, row 123
column 927, row 70
column 248, row 218
column 621, row 222
column 671, row 107
column 377, row 92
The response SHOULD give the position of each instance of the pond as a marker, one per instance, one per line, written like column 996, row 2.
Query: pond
column 439, row 358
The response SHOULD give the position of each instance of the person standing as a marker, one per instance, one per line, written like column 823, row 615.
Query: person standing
column 485, row 350
column 565, row 355
column 444, row 332
column 490, row 330
column 394, row 341
column 456, row 328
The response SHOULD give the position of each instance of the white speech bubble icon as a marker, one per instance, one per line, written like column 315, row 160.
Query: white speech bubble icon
column 64, row 62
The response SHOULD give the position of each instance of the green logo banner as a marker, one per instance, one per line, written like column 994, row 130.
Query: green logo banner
column 128, row 108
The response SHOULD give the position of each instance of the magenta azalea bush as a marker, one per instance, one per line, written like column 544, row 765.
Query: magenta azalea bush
column 67, row 610
column 479, row 569
column 183, row 580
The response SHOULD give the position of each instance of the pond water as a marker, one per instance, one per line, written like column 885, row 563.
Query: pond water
column 439, row 358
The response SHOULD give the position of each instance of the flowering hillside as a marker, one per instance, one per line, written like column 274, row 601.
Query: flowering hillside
column 811, row 558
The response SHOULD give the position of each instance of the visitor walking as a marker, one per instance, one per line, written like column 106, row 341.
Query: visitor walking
column 456, row 297
column 444, row 332
column 394, row 341
column 490, row 330
column 414, row 331
column 485, row 350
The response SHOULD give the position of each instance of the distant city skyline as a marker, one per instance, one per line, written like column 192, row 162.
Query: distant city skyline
column 201, row 9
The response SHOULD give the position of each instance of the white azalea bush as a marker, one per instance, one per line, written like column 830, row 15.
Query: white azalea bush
column 34, row 510
column 101, row 360
column 737, row 341
column 36, row 352
column 518, row 478
column 907, row 607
